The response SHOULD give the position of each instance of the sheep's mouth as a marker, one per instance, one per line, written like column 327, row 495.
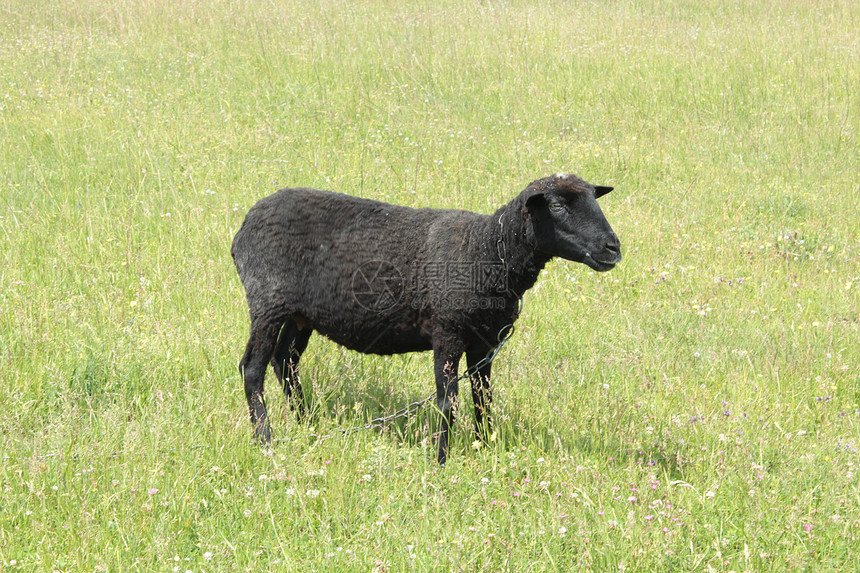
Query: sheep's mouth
column 602, row 264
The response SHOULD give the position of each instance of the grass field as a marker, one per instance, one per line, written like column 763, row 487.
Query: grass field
column 695, row 409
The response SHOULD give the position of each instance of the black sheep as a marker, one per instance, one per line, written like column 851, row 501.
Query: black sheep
column 386, row 279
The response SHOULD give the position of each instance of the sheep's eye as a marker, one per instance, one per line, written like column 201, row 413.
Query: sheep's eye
column 556, row 206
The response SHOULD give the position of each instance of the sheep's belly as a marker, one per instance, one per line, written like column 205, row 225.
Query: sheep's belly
column 391, row 341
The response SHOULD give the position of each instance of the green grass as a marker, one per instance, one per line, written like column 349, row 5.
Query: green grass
column 696, row 409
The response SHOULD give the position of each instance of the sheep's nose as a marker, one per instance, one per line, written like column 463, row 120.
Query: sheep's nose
column 613, row 245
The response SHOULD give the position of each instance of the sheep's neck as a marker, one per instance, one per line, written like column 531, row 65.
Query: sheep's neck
column 513, row 245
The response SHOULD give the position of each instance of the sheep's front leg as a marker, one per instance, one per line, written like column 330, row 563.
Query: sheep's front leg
column 482, row 396
column 446, row 364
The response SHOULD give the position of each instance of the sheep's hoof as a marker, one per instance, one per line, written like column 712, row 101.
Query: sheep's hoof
column 442, row 457
column 263, row 434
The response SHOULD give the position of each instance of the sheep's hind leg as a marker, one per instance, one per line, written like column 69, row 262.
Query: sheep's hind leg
column 252, row 368
column 482, row 395
column 447, row 388
column 291, row 343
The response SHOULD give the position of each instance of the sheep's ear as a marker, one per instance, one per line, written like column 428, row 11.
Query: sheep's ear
column 600, row 191
column 535, row 198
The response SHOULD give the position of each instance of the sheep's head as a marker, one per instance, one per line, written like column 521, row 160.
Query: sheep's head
column 568, row 222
